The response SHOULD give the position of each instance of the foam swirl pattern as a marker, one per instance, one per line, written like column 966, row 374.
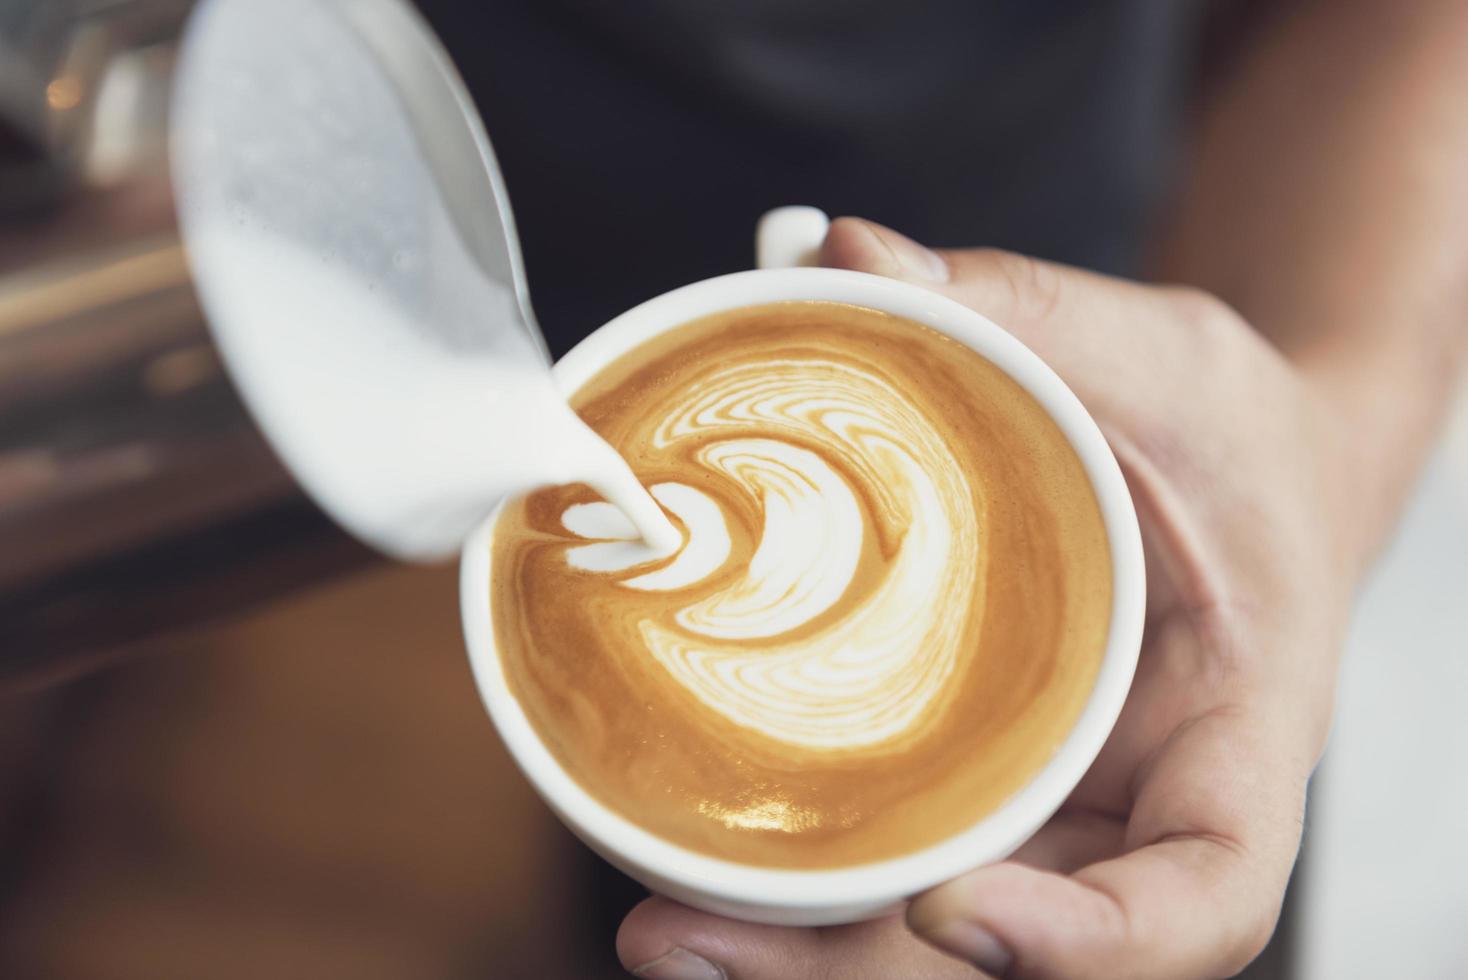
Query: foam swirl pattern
column 887, row 610
column 794, row 436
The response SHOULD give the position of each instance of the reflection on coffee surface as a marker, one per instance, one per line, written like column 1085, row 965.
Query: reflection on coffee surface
column 888, row 611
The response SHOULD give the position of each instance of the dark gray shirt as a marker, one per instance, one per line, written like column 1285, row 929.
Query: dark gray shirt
column 641, row 139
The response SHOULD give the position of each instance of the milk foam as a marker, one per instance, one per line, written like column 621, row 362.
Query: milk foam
column 405, row 436
column 830, row 435
column 390, row 367
column 705, row 549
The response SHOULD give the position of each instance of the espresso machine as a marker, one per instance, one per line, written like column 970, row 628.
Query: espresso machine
column 136, row 495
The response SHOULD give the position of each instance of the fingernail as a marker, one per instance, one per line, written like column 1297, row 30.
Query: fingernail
column 973, row 943
column 680, row 964
column 916, row 261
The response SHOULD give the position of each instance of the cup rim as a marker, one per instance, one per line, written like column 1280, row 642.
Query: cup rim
column 995, row 835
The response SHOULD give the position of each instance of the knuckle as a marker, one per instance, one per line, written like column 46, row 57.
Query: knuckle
column 1033, row 287
column 1201, row 309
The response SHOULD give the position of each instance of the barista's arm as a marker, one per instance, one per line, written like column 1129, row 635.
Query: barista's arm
column 1327, row 201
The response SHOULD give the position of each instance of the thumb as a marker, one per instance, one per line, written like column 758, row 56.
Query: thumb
column 865, row 246
column 1022, row 293
column 1096, row 331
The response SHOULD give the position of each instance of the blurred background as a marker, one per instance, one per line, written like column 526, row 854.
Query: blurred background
column 235, row 744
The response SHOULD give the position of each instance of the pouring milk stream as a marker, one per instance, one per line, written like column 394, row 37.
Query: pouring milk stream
column 355, row 255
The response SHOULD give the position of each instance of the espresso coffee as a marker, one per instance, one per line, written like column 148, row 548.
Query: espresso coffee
column 889, row 609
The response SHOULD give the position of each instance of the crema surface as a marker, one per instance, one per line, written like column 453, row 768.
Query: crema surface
column 888, row 610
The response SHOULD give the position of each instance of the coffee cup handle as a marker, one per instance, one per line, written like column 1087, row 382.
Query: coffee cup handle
column 789, row 237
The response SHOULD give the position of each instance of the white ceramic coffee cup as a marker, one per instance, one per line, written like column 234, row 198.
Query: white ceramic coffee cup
column 820, row 897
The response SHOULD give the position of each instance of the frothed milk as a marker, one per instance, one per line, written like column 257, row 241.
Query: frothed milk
column 889, row 610
column 381, row 412
column 390, row 367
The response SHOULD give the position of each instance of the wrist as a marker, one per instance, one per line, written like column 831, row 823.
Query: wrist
column 1376, row 423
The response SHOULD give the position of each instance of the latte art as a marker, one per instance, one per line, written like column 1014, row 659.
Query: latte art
column 752, row 646
column 887, row 610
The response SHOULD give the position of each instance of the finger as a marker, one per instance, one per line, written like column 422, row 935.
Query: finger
column 1215, row 827
column 865, row 246
column 1014, row 289
column 663, row 940
column 1070, row 317
column 1072, row 839
column 1164, row 694
column 671, row 935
